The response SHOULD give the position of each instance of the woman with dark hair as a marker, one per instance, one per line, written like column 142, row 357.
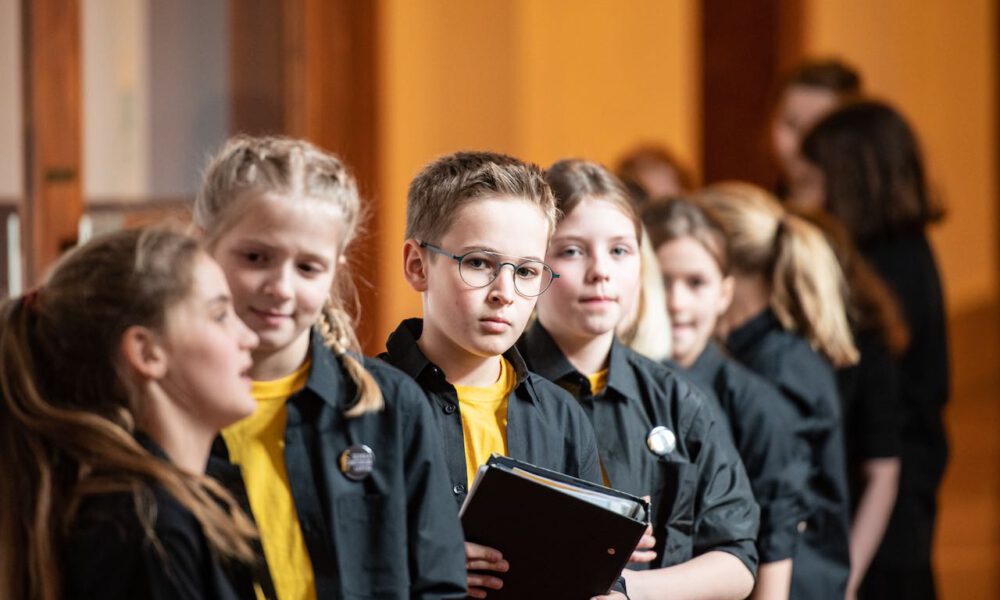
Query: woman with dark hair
column 871, row 176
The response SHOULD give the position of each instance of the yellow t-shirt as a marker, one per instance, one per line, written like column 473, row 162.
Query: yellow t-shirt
column 484, row 418
column 598, row 381
column 257, row 444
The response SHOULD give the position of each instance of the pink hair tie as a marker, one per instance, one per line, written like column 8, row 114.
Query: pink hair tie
column 31, row 300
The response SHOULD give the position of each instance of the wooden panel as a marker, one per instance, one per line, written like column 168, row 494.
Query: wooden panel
column 52, row 112
column 746, row 47
column 257, row 67
column 306, row 68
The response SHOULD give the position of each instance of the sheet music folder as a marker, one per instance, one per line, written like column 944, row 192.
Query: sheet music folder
column 565, row 538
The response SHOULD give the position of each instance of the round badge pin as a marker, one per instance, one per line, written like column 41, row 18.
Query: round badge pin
column 357, row 462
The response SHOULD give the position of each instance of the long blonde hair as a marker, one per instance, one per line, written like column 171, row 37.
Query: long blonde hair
column 68, row 412
column 808, row 291
column 295, row 171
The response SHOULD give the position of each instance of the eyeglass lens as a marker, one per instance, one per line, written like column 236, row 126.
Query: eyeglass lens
column 479, row 269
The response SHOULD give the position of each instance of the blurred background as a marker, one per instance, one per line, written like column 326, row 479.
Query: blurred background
column 108, row 108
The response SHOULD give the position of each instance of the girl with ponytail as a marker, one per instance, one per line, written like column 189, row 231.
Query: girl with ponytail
column 115, row 377
column 788, row 323
column 339, row 460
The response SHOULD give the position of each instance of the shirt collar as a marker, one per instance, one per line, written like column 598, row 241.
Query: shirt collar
column 407, row 355
column 746, row 335
column 708, row 363
column 548, row 360
column 325, row 377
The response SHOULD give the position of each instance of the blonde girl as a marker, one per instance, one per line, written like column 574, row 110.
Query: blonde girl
column 788, row 323
column 695, row 264
column 704, row 516
column 343, row 474
column 115, row 376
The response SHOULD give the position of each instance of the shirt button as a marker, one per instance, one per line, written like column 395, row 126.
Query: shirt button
column 459, row 489
column 449, row 409
column 802, row 526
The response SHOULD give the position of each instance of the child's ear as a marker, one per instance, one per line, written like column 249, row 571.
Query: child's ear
column 726, row 294
column 415, row 265
column 143, row 352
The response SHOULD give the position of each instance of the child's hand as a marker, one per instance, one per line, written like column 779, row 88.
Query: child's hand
column 483, row 558
column 642, row 552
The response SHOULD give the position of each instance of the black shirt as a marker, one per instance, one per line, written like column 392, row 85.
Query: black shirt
column 822, row 558
column 394, row 533
column 762, row 424
column 701, row 497
column 109, row 555
column 545, row 426
column 907, row 265
column 871, row 409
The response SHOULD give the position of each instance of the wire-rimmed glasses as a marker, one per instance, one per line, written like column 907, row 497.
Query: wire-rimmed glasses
column 479, row 268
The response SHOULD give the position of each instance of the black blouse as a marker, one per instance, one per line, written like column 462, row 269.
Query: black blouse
column 701, row 496
column 806, row 380
column 907, row 265
column 777, row 461
column 108, row 554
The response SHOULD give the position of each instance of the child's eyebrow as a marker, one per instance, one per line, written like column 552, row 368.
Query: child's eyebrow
column 495, row 251
column 220, row 299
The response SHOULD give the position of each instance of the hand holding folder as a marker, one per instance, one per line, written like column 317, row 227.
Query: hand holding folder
column 563, row 537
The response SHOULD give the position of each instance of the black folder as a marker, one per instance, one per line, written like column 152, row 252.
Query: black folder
column 559, row 546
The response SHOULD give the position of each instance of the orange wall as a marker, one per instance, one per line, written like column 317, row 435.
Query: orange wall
column 935, row 60
column 540, row 80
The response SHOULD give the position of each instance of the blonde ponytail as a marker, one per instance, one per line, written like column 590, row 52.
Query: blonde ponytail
column 808, row 290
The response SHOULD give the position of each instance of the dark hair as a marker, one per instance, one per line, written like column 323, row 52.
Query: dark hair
column 676, row 218
column 871, row 304
column 828, row 74
column 873, row 174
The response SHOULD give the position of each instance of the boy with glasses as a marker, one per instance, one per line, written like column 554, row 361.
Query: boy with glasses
column 477, row 228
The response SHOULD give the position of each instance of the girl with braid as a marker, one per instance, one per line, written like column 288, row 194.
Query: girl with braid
column 340, row 464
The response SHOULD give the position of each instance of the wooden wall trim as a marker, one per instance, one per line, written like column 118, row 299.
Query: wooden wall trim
column 52, row 116
column 746, row 48
column 307, row 68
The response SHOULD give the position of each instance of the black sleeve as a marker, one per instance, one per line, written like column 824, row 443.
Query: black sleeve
column 726, row 517
column 776, row 460
column 879, row 413
column 434, row 536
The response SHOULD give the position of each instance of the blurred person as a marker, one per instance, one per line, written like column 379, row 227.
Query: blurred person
column 870, row 393
column 117, row 375
column 870, row 173
column 652, row 171
column 788, row 322
column 808, row 93
column 694, row 259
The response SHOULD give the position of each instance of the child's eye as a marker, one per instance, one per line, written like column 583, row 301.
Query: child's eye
column 221, row 316
column 696, row 282
column 570, row 252
column 621, row 250
column 253, row 257
column 477, row 263
column 310, row 268
column 528, row 271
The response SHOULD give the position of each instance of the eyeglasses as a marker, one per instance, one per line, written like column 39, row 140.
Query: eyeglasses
column 479, row 268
